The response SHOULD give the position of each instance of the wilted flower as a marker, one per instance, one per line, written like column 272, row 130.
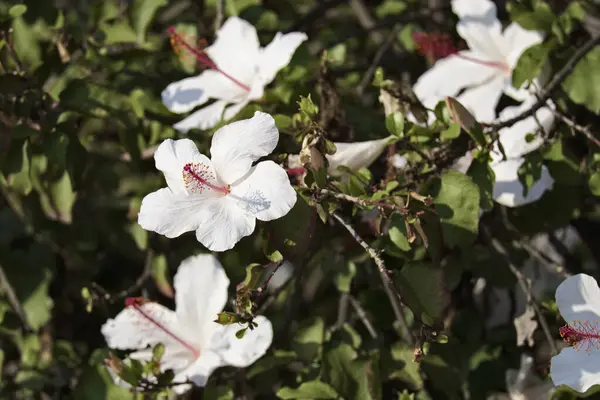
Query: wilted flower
column 219, row 198
column 194, row 344
column 578, row 366
column 239, row 69
column 485, row 69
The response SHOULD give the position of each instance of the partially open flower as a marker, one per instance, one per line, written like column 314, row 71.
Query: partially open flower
column 220, row 198
column 194, row 344
column 578, row 366
column 239, row 70
column 484, row 71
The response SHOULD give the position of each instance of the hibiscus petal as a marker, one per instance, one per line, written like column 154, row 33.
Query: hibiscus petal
column 243, row 352
column 508, row 190
column 233, row 110
column 579, row 370
column 200, row 294
column 223, row 224
column 513, row 138
column 265, row 193
column 205, row 118
column 481, row 100
column 578, row 298
column 172, row 214
column 434, row 84
column 278, row 54
column 483, row 9
column 355, row 155
column 182, row 96
column 518, row 40
column 236, row 50
column 483, row 33
column 237, row 145
column 199, row 371
column 132, row 329
column 172, row 155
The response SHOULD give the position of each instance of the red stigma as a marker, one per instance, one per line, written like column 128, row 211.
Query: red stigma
column 581, row 334
column 435, row 46
column 179, row 45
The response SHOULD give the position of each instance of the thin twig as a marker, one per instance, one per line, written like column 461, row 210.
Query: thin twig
column 13, row 54
column 575, row 126
column 552, row 85
column 362, row 315
column 12, row 298
column 366, row 79
column 388, row 285
column 219, row 15
column 361, row 202
column 525, row 286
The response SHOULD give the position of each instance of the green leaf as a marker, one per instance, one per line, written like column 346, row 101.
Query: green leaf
column 25, row 43
column 402, row 367
column 308, row 391
column 307, row 107
column 118, row 31
column 594, row 183
column 483, row 176
column 563, row 25
column 539, row 17
column 397, row 231
column 96, row 383
column 241, row 333
column 353, row 378
column 17, row 167
column 531, row 62
column 452, row 132
column 343, row 279
column 30, row 273
column 17, row 10
column 582, row 82
column 271, row 361
column 142, row 13
column 309, row 338
column 395, row 124
column 158, row 351
column 456, row 200
column 530, row 171
column 422, row 287
column 160, row 274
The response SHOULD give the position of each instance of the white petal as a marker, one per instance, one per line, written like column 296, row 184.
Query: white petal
column 265, row 192
column 148, row 326
column 482, row 100
column 518, row 40
column 184, row 95
column 236, row 50
column 200, row 294
column 204, row 118
column 508, row 190
column 399, row 161
column 579, row 370
column 355, row 155
column 172, row 214
column 172, row 155
column 482, row 9
column 578, row 298
column 199, row 371
column 237, row 145
column 278, row 54
column 513, row 138
column 243, row 352
column 435, row 84
column 484, row 36
column 234, row 109
column 223, row 224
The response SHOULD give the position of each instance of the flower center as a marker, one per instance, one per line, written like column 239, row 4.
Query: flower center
column 178, row 43
column 197, row 177
column 581, row 334
column 435, row 46
column 137, row 302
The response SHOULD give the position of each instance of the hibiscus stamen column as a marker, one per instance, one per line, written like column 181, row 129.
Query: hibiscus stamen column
column 196, row 177
column 136, row 304
column 177, row 40
column 580, row 333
